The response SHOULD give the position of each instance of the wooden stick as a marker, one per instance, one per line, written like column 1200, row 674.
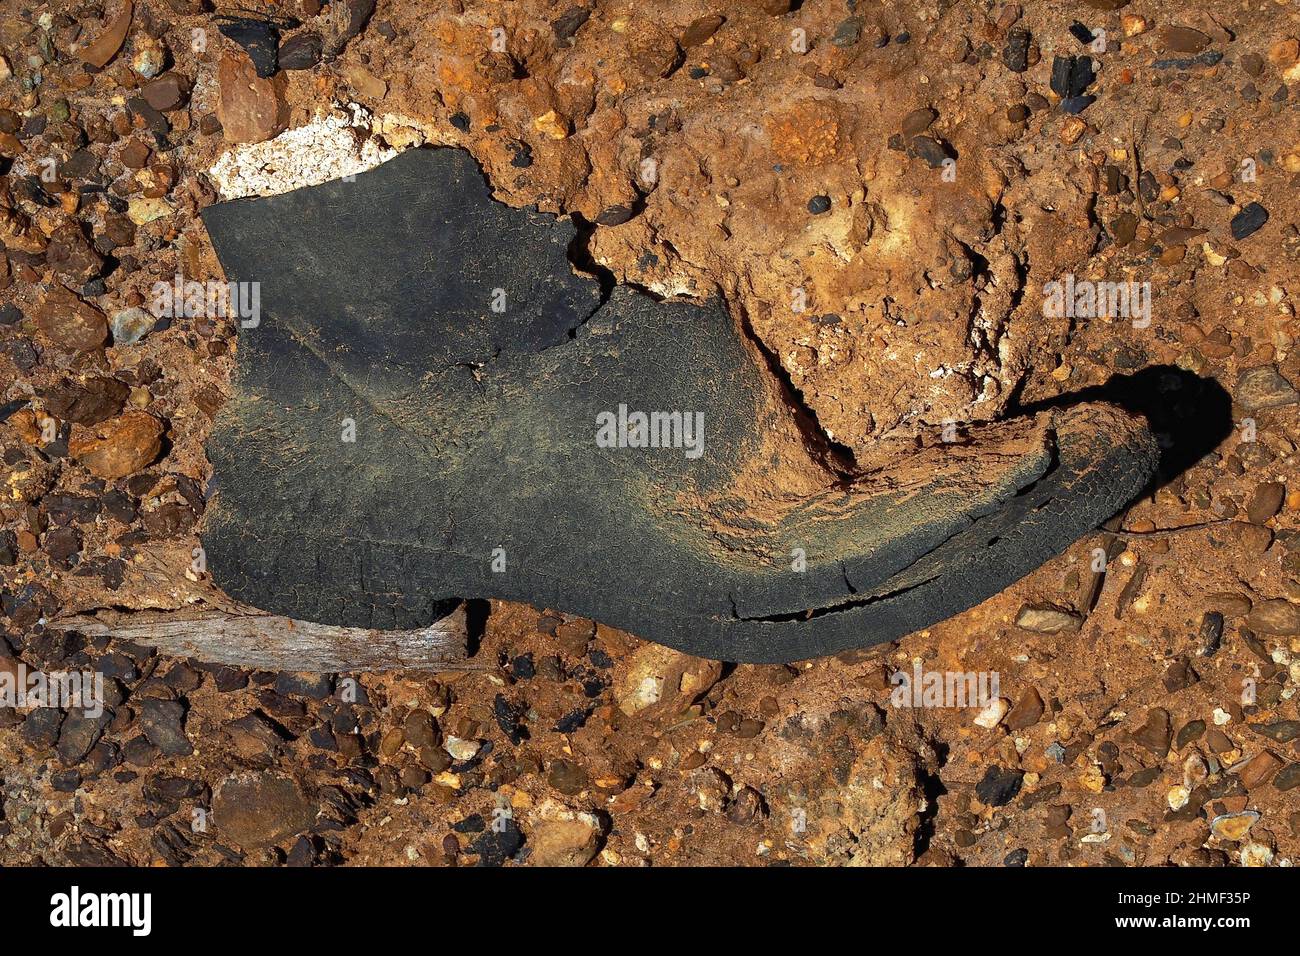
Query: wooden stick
column 270, row 642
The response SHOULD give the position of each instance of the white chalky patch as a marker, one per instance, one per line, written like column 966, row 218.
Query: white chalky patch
column 672, row 286
column 648, row 693
column 336, row 144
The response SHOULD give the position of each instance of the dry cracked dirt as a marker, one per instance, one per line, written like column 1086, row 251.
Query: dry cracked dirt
column 884, row 193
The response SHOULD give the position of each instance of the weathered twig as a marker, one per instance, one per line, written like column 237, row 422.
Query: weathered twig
column 271, row 642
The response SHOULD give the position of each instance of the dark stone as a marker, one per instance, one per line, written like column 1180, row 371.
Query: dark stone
column 1210, row 635
column 498, row 844
column 61, row 544
column 1071, row 75
column 63, row 509
column 700, row 30
column 169, row 520
column 819, row 204
column 1148, row 187
column 255, row 734
column 567, row 777
column 522, row 667
column 1060, row 79
column 1208, row 58
column 41, row 727
column 301, row 51
column 304, row 850
column 322, row 738
column 1263, row 387
column 848, row 32
column 118, row 666
column 999, row 786
column 1143, row 778
column 182, row 678
column 572, row 721
column 92, row 854
column 509, row 717
column 120, row 506
column 1082, row 74
column 260, row 39
column 139, row 752
column 52, row 649
column 229, row 679
column 31, row 189
column 930, row 149
column 153, row 120
column 1179, row 675
column 615, row 215
column 82, row 164
column 1248, row 221
column 79, row 733
column 918, row 121
column 1282, row 731
column 163, row 724
column 1015, row 55
column 313, row 686
column 568, row 23
column 356, row 14
column 1288, row 778
column 167, row 92
column 280, row 705
column 1190, row 732
column 523, row 154
column 103, row 757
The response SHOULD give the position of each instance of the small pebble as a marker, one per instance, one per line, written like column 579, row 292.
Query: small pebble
column 1249, row 220
column 1015, row 55
column 131, row 325
column 848, row 32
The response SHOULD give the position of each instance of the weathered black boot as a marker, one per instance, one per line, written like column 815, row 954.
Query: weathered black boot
column 436, row 406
